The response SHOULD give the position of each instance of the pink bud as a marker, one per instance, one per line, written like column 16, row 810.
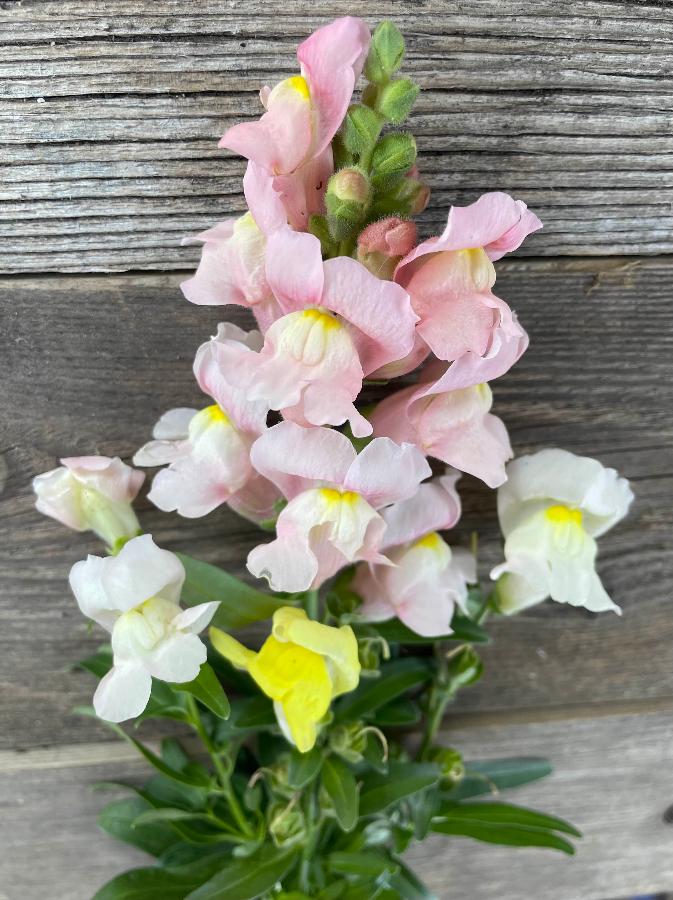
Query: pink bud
column 382, row 244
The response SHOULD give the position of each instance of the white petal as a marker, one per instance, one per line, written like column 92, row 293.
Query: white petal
column 174, row 424
column 142, row 570
column 123, row 693
column 195, row 619
column 178, row 658
column 87, row 586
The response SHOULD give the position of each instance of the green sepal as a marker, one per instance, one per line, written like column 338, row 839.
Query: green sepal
column 393, row 157
column 386, row 52
column 396, row 99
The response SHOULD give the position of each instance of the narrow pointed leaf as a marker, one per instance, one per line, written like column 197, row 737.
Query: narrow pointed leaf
column 304, row 767
column 240, row 604
column 396, row 677
column 507, row 835
column 409, row 886
column 195, row 777
column 506, row 813
column 463, row 629
column 403, row 780
column 369, row 864
column 488, row 776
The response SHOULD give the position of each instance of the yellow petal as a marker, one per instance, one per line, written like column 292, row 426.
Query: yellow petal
column 338, row 645
column 281, row 665
column 231, row 649
column 304, row 707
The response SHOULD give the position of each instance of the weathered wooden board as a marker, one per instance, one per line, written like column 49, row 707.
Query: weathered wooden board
column 110, row 114
column 613, row 780
column 92, row 361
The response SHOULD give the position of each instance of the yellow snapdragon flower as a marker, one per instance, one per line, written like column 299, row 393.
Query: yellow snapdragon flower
column 302, row 666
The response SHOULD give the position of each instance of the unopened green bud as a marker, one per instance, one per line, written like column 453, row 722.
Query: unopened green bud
column 396, row 100
column 360, row 129
column 278, row 777
column 464, row 668
column 287, row 824
column 392, row 158
column 371, row 650
column 450, row 762
column 347, row 201
column 349, row 741
column 386, row 53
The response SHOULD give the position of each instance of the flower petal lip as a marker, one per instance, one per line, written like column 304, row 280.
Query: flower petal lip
column 435, row 507
column 296, row 458
column 555, row 475
column 496, row 222
column 386, row 472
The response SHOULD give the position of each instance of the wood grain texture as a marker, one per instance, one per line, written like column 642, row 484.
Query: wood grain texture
column 110, row 114
column 613, row 780
column 91, row 362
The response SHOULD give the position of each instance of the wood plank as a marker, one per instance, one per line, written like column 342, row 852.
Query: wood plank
column 110, row 115
column 91, row 362
column 612, row 780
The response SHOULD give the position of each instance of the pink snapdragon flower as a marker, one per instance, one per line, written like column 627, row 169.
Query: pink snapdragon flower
column 291, row 141
column 208, row 451
column 135, row 596
column 340, row 323
column 455, row 426
column 232, row 269
column 449, row 279
column 334, row 496
column 427, row 579
column 91, row 493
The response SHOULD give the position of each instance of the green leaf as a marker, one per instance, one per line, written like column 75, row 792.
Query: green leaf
column 248, row 715
column 386, row 52
column 506, row 813
column 240, row 604
column 507, row 835
column 168, row 815
column 247, row 877
column 195, row 777
column 397, row 713
column 208, row 690
column 304, row 767
column 117, row 820
column 487, row 776
column 396, row 677
column 409, row 886
column 403, row 780
column 342, row 789
column 464, row 629
column 370, row 864
column 159, row 884
column 99, row 663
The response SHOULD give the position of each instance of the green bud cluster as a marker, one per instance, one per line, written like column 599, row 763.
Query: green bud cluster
column 384, row 163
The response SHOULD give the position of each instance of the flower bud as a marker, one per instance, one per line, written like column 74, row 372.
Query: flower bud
column 396, row 100
column 451, row 764
column 360, row 129
column 386, row 53
column 349, row 741
column 92, row 493
column 347, row 200
column 393, row 156
column 287, row 824
column 371, row 650
column 383, row 244
column 464, row 668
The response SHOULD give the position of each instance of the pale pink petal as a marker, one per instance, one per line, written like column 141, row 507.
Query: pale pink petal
column 386, row 472
column 390, row 417
column 480, row 448
column 87, row 586
column 496, row 222
column 287, row 564
column 331, row 61
column 282, row 138
column 111, row 477
column 411, row 361
column 256, row 500
column 376, row 606
column 428, row 615
column 303, row 192
column 264, row 203
column 123, row 693
column 380, row 312
column 435, row 507
column 57, row 498
column 296, row 458
column 195, row 619
column 294, row 269
column 215, row 363
column 174, row 424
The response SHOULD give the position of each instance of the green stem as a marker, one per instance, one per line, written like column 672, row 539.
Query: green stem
column 439, row 700
column 222, row 773
column 312, row 604
column 308, row 853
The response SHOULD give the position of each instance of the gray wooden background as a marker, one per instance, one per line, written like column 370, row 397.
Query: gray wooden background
column 110, row 114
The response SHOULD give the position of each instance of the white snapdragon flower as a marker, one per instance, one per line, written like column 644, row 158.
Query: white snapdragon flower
column 551, row 509
column 135, row 596
column 91, row 493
